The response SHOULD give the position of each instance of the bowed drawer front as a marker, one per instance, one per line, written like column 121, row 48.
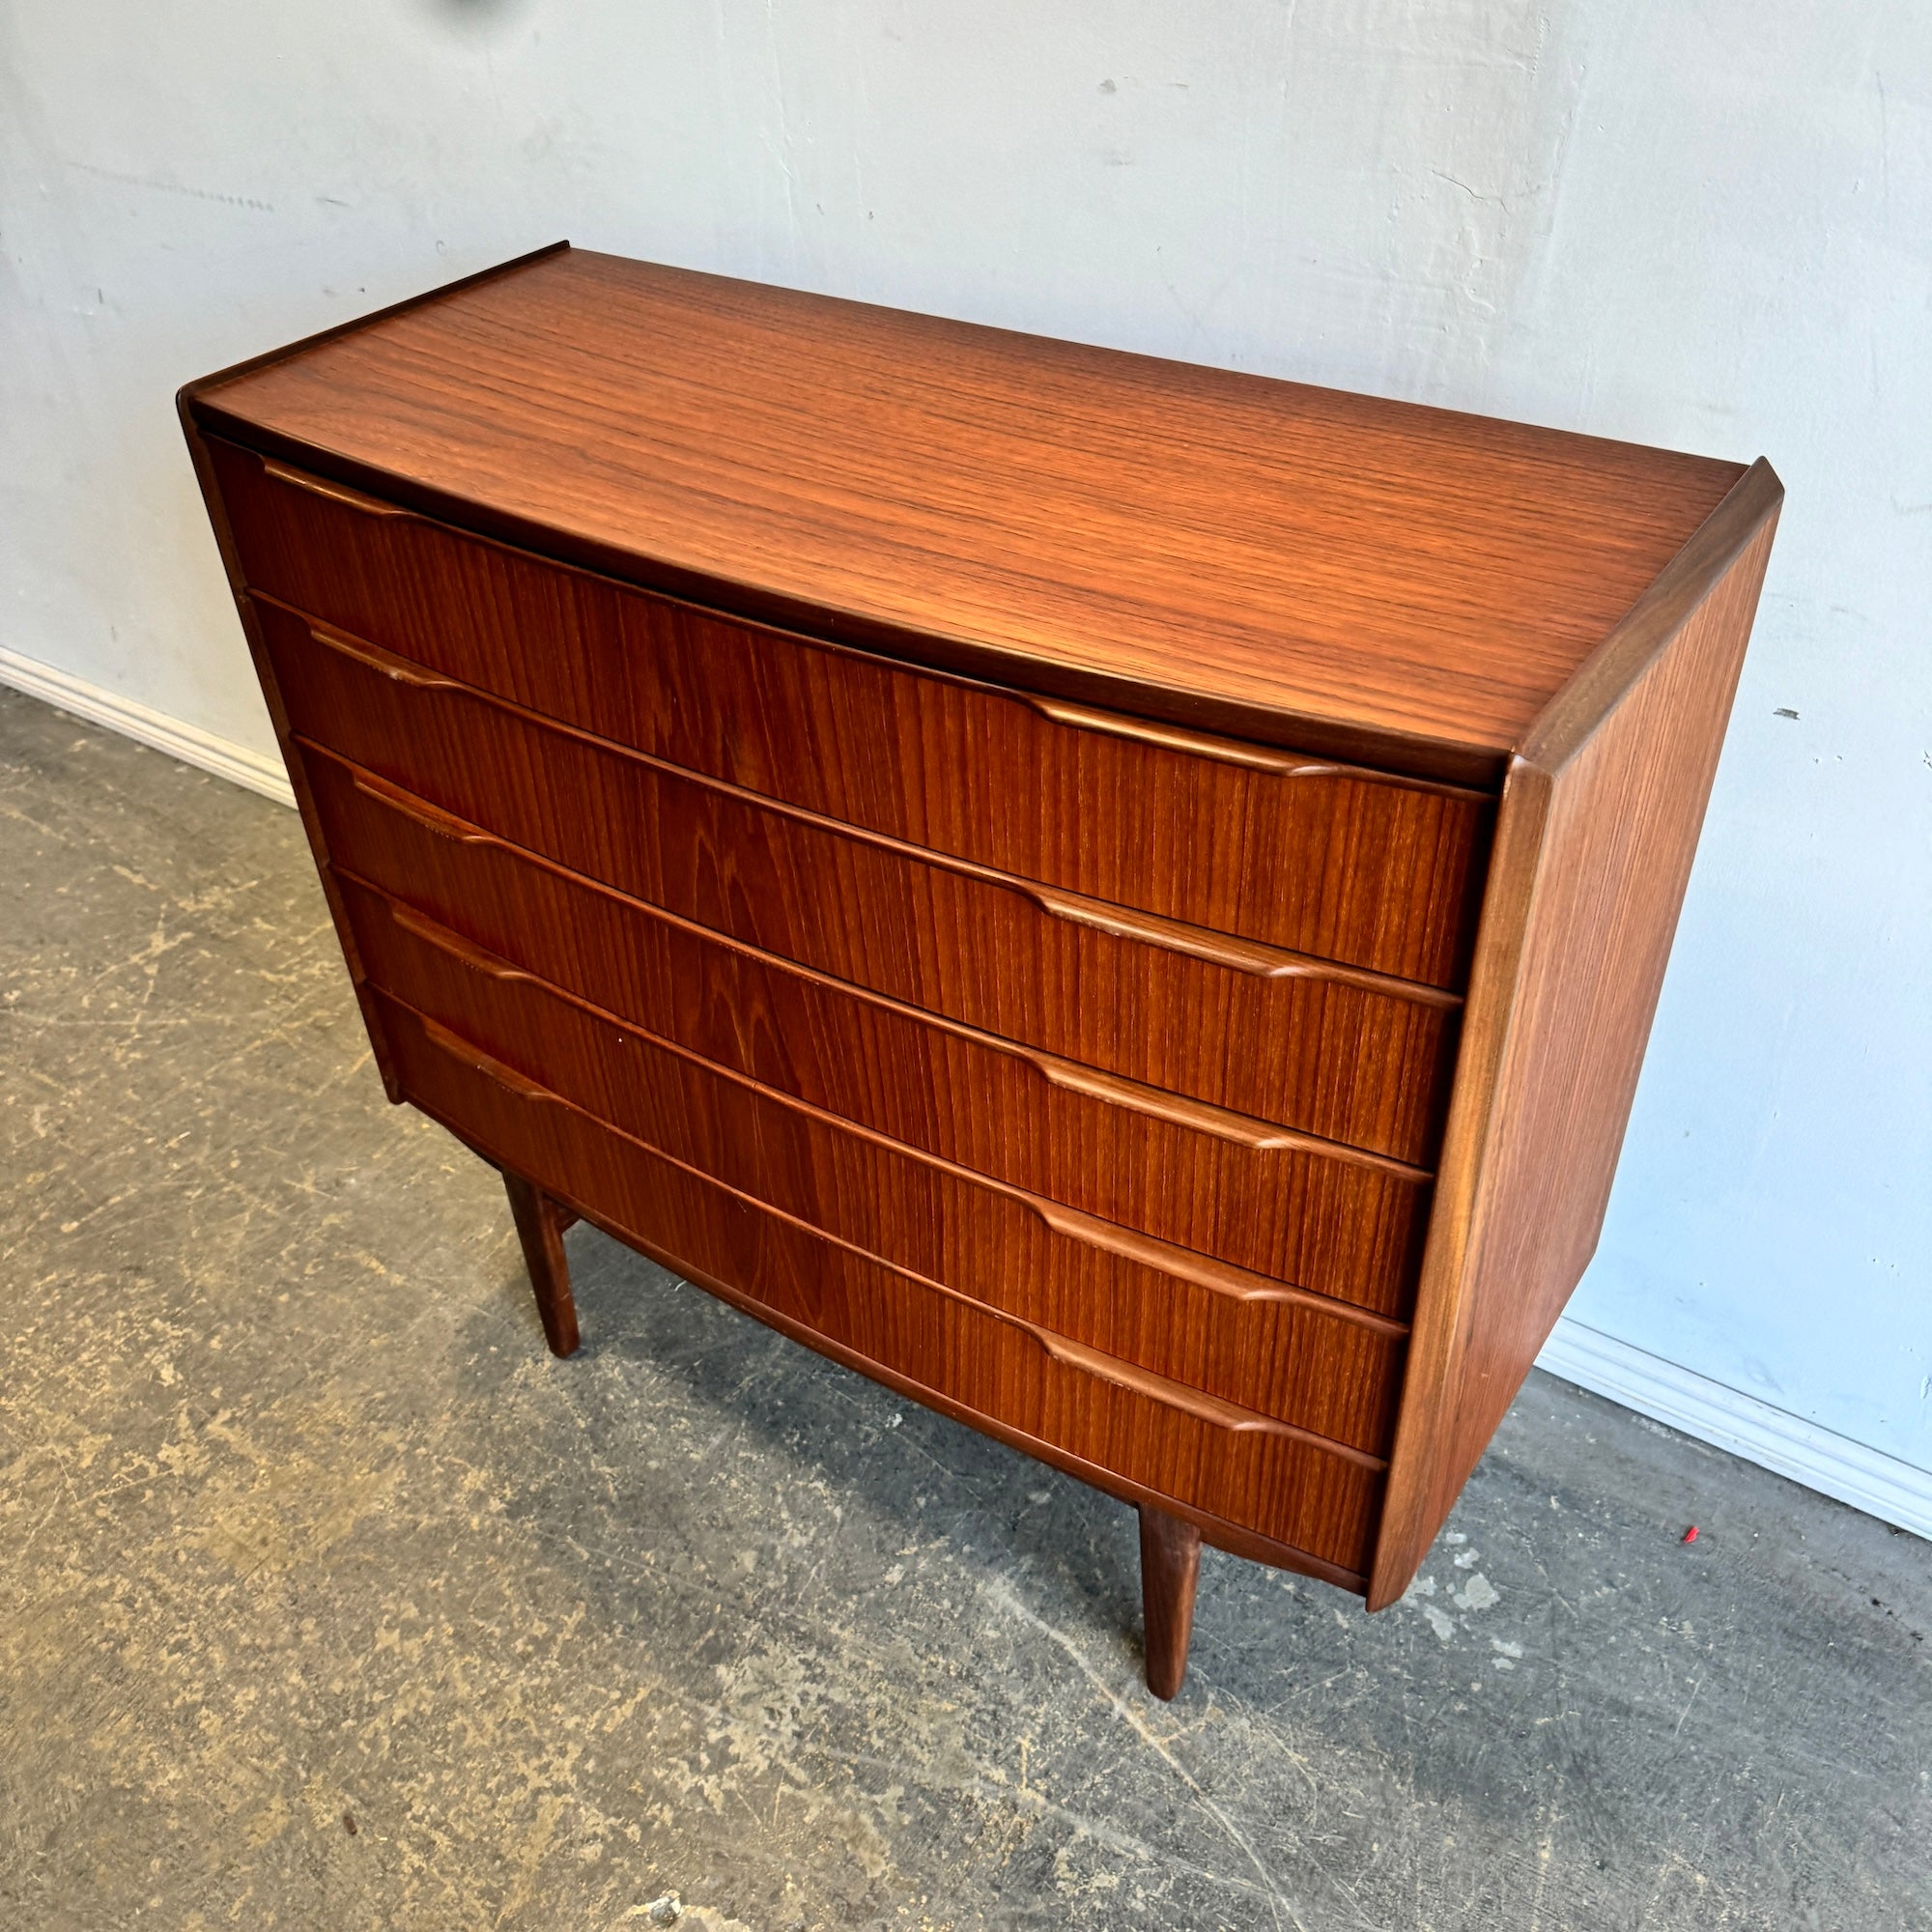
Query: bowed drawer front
column 1122, row 901
column 1343, row 1054
column 920, row 1333
column 1290, row 1354
column 1328, row 1218
column 1302, row 853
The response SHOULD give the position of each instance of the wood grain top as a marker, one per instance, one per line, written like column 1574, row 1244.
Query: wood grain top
column 1353, row 577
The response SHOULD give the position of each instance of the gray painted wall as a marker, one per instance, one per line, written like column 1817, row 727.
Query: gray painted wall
column 1707, row 226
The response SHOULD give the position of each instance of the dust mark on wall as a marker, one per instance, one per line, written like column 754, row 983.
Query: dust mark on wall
column 175, row 188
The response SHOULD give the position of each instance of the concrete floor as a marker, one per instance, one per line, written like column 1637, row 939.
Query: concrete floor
column 327, row 1599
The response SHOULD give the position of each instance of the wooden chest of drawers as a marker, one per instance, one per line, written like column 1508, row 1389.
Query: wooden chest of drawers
column 1125, row 901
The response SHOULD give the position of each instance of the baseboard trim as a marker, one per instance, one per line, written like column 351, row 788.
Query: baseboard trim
column 188, row 743
column 1835, row 1465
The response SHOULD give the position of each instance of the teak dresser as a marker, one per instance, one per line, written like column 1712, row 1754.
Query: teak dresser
column 1124, row 900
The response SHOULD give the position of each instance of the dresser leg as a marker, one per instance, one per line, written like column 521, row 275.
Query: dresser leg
column 540, row 1225
column 1169, row 1567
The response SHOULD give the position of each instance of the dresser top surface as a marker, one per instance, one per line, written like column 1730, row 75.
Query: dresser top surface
column 1368, row 577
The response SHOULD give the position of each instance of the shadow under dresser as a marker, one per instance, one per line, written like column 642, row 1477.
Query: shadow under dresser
column 1122, row 901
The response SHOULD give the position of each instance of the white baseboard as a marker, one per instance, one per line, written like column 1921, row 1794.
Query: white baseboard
column 188, row 743
column 1869, row 1480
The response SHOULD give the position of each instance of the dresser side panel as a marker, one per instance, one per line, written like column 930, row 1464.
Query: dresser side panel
column 1591, row 863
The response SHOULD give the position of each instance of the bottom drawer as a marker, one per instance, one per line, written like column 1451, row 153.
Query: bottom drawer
column 1259, row 1474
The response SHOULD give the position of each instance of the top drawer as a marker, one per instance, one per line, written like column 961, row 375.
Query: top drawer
column 1344, row 864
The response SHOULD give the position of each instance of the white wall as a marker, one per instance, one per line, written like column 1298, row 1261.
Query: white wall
column 1707, row 226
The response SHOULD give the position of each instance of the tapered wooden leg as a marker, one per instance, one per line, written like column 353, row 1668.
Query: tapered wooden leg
column 1169, row 1567
column 540, row 1225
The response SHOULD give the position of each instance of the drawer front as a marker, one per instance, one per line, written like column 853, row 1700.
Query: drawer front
column 1263, row 1474
column 1255, row 1343
column 1328, row 860
column 1332, row 1221
column 1326, row 1050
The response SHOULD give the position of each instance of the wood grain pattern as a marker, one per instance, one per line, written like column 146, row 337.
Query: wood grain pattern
column 1328, row 1049
column 1331, row 1220
column 1278, row 1481
column 1360, row 579
column 915, row 974
column 1170, row 1571
column 1598, row 825
column 1262, row 1345
column 540, row 1227
column 1326, row 859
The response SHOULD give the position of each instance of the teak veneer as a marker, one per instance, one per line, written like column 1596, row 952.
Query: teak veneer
column 1121, row 899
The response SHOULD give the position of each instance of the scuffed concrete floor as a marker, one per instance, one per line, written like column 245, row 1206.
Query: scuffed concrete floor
column 299, row 1525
